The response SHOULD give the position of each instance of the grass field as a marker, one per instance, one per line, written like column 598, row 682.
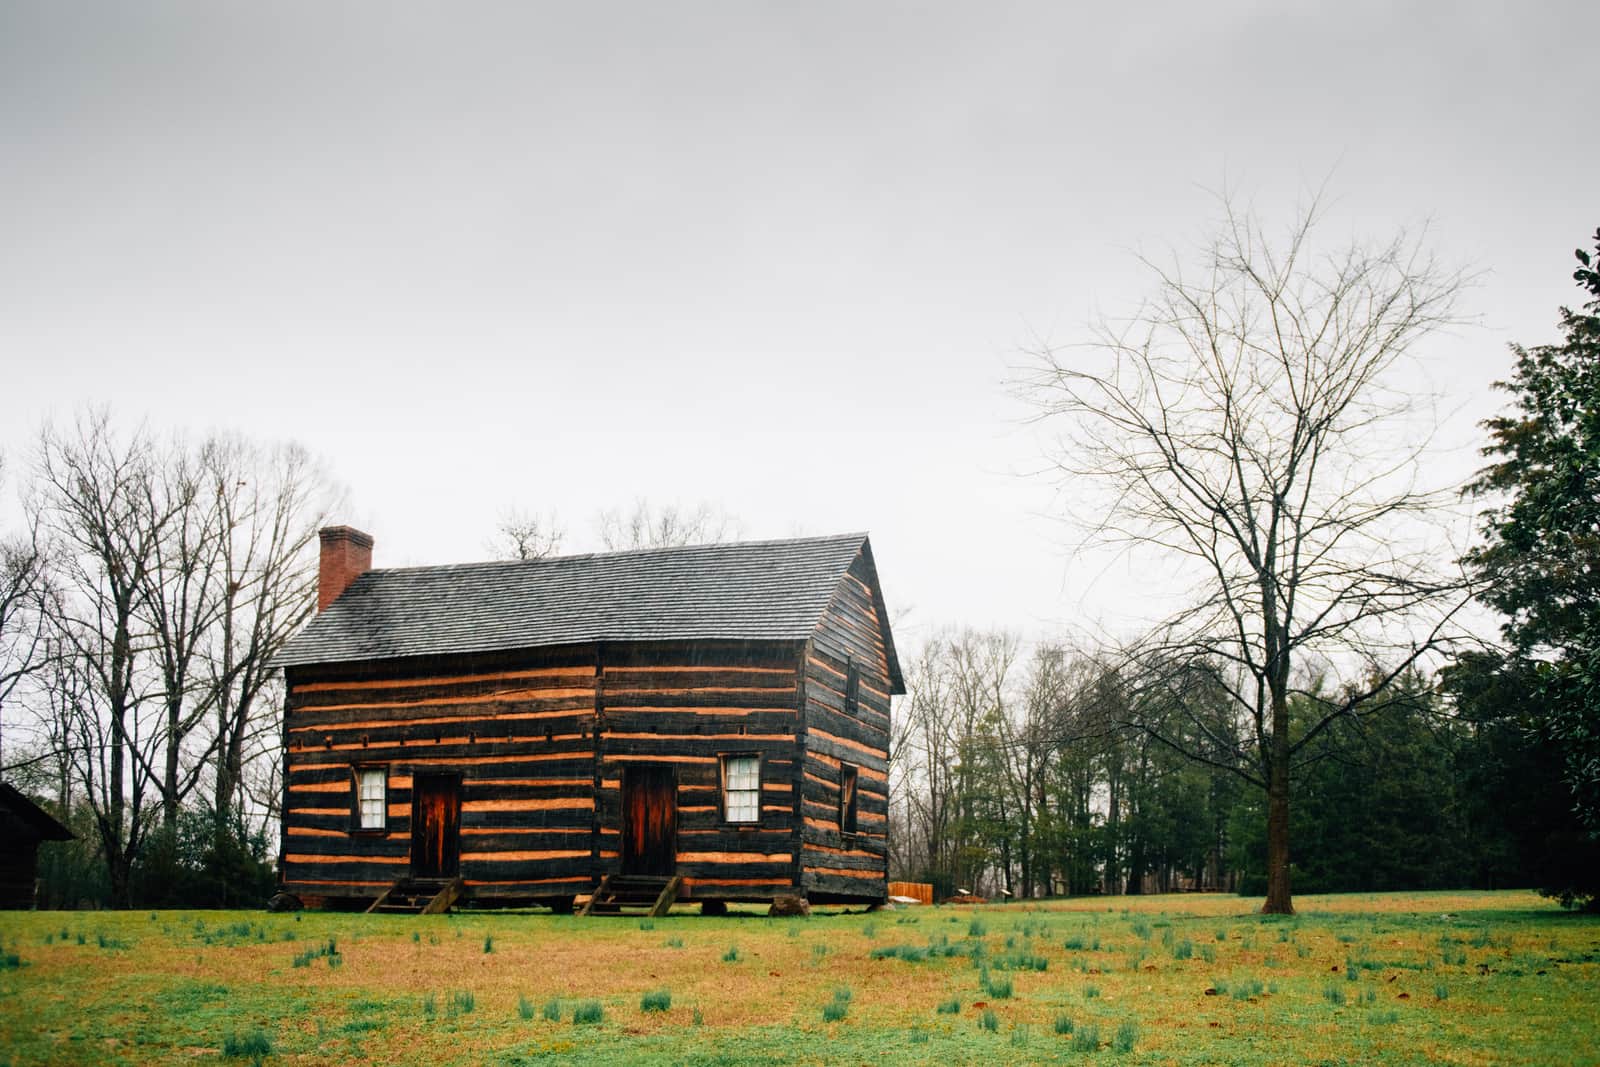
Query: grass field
column 1471, row 978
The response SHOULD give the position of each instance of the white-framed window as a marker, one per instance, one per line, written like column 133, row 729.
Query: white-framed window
column 741, row 788
column 372, row 798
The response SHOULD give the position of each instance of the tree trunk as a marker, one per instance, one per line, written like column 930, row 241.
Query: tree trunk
column 1278, row 899
column 169, row 777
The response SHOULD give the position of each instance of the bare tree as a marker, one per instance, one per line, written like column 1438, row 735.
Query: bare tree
column 180, row 572
column 270, row 505
column 22, row 631
column 947, row 780
column 664, row 526
column 1249, row 422
column 523, row 535
column 180, row 598
column 922, row 744
column 94, row 498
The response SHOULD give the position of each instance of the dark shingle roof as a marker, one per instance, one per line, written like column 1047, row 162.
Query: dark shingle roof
column 752, row 590
column 38, row 823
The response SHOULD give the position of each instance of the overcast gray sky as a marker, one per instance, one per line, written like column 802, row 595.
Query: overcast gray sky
column 777, row 257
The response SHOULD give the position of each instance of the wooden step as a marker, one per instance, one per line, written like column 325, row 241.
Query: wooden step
column 418, row 896
column 633, row 894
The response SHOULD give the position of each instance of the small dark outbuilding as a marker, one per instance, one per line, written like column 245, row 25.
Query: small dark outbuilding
column 23, row 824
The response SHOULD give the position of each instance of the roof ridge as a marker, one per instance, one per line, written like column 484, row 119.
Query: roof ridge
column 627, row 553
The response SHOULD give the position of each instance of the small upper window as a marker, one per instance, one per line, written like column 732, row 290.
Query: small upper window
column 372, row 798
column 741, row 788
column 852, row 688
column 847, row 799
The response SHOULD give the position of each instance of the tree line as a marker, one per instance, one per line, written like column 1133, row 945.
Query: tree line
column 1030, row 772
column 151, row 583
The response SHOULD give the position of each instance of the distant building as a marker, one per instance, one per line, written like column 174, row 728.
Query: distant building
column 716, row 714
column 23, row 825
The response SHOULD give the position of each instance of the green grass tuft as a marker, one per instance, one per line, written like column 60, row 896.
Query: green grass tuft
column 524, row 1008
column 1247, row 989
column 732, row 955
column 588, row 1013
column 552, row 1010
column 256, row 1045
column 1086, row 1038
column 949, row 1007
column 989, row 1020
column 656, row 1000
column 1127, row 1037
column 1063, row 1024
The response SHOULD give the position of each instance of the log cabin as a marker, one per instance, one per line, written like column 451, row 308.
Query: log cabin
column 717, row 715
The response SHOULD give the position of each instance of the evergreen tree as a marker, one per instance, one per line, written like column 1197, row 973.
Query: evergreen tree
column 1540, row 563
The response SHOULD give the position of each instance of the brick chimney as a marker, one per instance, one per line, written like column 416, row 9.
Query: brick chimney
column 346, row 556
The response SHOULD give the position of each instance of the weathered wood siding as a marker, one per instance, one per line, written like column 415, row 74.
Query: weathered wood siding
column 687, row 706
column 519, row 731
column 832, row 863
column 19, row 871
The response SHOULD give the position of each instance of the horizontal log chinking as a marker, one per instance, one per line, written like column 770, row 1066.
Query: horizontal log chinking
column 717, row 712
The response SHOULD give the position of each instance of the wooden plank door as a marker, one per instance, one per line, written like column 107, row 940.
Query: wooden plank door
column 649, row 821
column 435, row 826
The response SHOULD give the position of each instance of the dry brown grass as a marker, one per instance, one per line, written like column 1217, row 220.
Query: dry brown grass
column 179, row 985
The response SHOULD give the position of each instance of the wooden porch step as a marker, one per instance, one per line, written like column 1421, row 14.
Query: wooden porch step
column 418, row 896
column 633, row 894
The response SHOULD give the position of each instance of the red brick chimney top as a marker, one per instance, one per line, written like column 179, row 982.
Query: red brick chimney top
column 346, row 556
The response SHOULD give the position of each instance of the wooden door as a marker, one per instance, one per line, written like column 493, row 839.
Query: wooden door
column 649, row 821
column 435, row 826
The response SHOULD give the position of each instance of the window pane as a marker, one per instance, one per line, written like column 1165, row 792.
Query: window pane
column 744, row 806
column 373, row 801
column 741, row 797
column 742, row 772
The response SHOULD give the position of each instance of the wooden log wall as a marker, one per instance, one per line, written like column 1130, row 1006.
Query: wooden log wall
column 686, row 707
column 520, row 734
column 833, row 864
column 19, row 870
